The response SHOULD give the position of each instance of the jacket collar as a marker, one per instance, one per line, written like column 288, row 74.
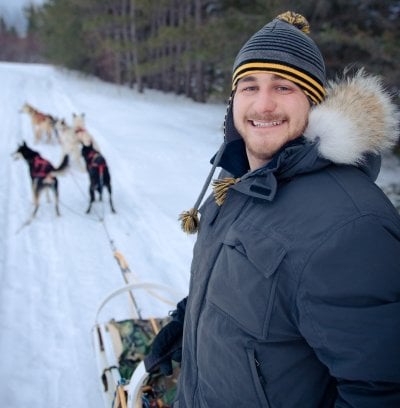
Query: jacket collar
column 299, row 154
column 297, row 157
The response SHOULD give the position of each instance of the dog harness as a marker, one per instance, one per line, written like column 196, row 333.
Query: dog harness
column 41, row 117
column 96, row 161
column 40, row 167
column 38, row 116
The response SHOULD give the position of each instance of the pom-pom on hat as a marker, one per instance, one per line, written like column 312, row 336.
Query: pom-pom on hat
column 284, row 47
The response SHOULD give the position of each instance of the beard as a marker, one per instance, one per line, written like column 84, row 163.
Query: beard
column 261, row 148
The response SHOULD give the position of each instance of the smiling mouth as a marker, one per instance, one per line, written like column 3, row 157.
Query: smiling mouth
column 262, row 124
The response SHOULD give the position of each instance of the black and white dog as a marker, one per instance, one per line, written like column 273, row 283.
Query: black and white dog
column 42, row 174
column 99, row 174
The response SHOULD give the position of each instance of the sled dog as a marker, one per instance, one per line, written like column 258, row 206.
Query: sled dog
column 70, row 143
column 42, row 123
column 99, row 175
column 79, row 126
column 42, row 174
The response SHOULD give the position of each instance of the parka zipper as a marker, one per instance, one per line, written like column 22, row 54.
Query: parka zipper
column 205, row 291
column 258, row 369
column 258, row 379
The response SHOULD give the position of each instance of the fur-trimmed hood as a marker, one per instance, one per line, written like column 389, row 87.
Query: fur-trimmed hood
column 356, row 118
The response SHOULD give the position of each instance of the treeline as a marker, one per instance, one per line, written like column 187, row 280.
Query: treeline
column 188, row 46
column 15, row 48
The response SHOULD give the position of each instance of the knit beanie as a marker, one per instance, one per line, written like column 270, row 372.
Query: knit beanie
column 281, row 47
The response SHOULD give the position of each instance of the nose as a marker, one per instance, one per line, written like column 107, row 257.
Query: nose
column 264, row 101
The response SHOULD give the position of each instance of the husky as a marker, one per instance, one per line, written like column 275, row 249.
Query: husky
column 42, row 174
column 70, row 142
column 99, row 175
column 42, row 123
column 79, row 126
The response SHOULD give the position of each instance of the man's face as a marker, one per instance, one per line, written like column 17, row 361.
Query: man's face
column 268, row 112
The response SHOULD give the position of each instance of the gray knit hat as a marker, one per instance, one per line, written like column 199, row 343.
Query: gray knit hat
column 284, row 48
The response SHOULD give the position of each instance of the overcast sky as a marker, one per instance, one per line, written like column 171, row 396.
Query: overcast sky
column 12, row 12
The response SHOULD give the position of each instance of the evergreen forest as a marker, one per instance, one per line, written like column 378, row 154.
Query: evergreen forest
column 188, row 46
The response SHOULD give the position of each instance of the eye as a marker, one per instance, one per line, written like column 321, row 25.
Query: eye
column 248, row 88
column 284, row 89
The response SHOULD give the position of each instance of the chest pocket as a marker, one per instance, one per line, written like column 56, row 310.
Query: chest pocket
column 243, row 281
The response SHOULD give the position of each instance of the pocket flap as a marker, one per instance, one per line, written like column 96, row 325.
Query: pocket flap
column 265, row 252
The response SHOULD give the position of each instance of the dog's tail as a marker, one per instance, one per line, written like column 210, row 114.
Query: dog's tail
column 64, row 164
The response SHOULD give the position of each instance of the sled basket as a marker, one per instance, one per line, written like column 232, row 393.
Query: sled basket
column 120, row 348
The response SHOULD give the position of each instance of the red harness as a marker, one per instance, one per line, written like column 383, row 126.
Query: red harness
column 80, row 129
column 41, row 117
column 40, row 167
column 92, row 156
column 38, row 116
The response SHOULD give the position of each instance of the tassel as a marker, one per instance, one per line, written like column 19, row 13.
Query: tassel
column 220, row 188
column 189, row 221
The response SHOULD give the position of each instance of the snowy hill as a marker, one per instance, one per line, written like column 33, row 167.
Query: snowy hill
column 56, row 270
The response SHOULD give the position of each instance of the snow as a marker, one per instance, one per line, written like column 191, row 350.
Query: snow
column 56, row 271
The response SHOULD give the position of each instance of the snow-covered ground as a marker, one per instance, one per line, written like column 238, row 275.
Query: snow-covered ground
column 56, row 271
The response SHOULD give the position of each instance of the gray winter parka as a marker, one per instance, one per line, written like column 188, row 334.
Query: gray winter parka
column 294, row 296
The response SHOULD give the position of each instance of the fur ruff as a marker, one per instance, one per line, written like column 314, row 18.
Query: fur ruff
column 357, row 117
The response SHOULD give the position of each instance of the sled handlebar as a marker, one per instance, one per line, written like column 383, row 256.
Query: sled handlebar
column 149, row 286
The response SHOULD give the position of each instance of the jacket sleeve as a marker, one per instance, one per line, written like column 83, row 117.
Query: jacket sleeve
column 348, row 307
column 179, row 313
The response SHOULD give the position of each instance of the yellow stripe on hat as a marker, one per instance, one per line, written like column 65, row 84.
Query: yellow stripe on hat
column 310, row 86
column 315, row 96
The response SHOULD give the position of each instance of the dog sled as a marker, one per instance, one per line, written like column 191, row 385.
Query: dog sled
column 120, row 348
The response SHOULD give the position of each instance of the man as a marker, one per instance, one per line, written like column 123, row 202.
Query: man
column 294, row 297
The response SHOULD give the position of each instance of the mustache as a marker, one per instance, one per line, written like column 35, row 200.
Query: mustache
column 266, row 117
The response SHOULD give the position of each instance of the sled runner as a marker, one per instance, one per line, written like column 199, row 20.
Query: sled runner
column 120, row 348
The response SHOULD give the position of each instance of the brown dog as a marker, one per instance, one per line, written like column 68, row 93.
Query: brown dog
column 42, row 123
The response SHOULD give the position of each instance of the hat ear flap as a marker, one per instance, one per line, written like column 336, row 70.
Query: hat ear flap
column 230, row 131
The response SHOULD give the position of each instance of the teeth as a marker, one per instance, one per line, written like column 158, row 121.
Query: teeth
column 267, row 124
